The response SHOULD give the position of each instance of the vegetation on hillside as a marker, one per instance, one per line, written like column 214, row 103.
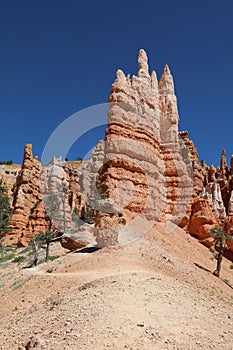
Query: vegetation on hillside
column 7, row 162
column 5, row 213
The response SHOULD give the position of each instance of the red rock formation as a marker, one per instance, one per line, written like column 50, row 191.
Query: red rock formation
column 133, row 160
column 33, row 185
column 202, row 219
column 8, row 175
column 191, row 149
column 212, row 204
column 144, row 171
column 26, row 197
column 178, row 172
column 149, row 166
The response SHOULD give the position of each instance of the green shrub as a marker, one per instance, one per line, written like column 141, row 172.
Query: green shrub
column 53, row 257
column 8, row 249
column 40, row 261
column 19, row 259
column 7, row 257
column 26, row 249
column 7, row 162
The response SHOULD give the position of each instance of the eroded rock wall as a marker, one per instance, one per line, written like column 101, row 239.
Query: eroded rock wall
column 212, row 201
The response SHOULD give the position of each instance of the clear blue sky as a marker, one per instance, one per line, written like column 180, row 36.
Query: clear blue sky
column 58, row 57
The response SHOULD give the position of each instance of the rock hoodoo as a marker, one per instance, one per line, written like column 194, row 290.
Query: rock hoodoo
column 144, row 169
column 26, row 196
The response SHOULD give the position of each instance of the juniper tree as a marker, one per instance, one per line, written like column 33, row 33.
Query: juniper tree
column 220, row 245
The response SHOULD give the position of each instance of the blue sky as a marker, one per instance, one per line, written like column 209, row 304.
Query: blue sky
column 58, row 57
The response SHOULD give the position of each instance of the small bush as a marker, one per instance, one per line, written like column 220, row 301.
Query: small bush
column 53, row 257
column 19, row 259
column 7, row 257
column 8, row 249
column 25, row 250
column 231, row 267
column 40, row 261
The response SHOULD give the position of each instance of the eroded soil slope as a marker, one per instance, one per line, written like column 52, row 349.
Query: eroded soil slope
column 146, row 295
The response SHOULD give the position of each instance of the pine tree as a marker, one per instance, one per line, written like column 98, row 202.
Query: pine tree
column 5, row 213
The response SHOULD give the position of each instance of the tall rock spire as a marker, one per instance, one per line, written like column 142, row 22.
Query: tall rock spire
column 154, row 81
column 120, row 76
column 26, row 198
column 223, row 164
column 231, row 163
column 27, row 156
column 168, row 102
column 166, row 83
column 143, row 69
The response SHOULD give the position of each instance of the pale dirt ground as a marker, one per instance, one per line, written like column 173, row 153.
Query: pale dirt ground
column 146, row 295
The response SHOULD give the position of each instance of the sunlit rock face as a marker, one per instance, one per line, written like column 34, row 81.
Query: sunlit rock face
column 145, row 172
column 26, row 196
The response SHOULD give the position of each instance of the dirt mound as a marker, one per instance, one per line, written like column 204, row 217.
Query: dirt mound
column 156, row 293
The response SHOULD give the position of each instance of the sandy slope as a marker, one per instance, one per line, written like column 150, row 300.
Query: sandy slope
column 147, row 295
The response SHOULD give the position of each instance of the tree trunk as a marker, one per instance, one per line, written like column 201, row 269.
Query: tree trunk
column 36, row 253
column 64, row 213
column 47, row 251
column 219, row 259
